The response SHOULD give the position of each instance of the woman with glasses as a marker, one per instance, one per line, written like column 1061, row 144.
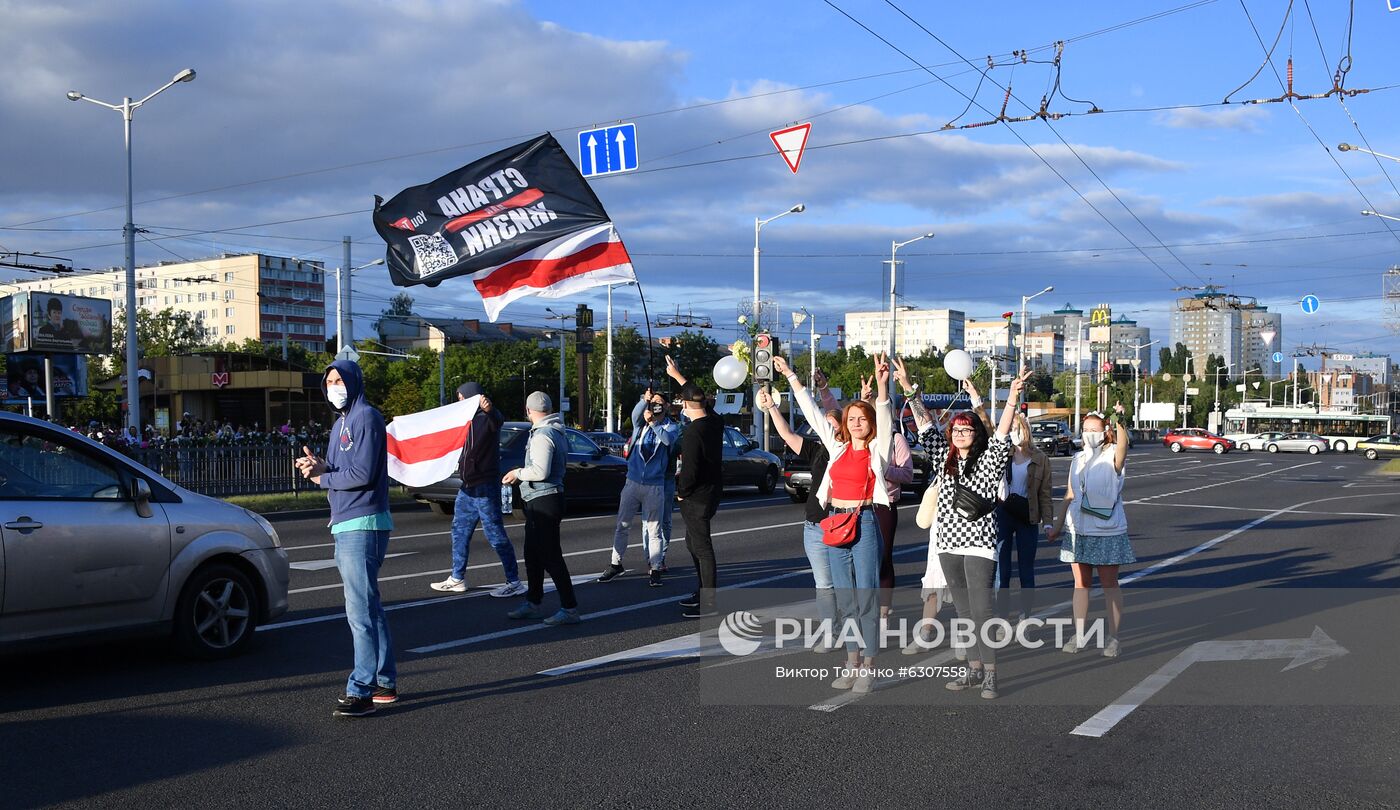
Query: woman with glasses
column 859, row 452
column 1097, row 541
column 970, row 466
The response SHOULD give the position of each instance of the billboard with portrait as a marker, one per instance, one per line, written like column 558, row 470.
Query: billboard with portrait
column 69, row 324
column 24, row 377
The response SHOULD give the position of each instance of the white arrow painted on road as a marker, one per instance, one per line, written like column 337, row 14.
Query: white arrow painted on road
column 1318, row 647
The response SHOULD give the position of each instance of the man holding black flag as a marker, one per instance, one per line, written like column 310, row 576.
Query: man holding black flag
column 698, row 490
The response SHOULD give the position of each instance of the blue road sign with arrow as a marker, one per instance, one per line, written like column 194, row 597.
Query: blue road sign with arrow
column 1310, row 304
column 607, row 150
column 1278, row 357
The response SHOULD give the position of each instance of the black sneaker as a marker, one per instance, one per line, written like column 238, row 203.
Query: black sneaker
column 656, row 577
column 690, row 601
column 612, row 573
column 971, row 679
column 351, row 706
column 384, row 694
column 699, row 612
column 989, row 686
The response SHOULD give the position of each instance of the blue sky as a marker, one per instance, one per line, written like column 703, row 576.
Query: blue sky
column 1246, row 193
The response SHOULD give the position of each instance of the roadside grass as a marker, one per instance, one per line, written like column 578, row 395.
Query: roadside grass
column 291, row 501
column 1392, row 467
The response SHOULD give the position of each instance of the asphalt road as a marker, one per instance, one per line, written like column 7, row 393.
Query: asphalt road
column 1243, row 546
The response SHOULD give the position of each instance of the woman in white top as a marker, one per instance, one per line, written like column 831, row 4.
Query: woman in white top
column 1097, row 541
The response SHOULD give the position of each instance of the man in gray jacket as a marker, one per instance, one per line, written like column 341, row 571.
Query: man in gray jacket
column 542, row 489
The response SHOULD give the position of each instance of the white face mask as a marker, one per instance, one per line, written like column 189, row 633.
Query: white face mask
column 1093, row 439
column 337, row 395
column 1017, row 437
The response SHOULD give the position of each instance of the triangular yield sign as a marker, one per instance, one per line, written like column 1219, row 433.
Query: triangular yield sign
column 791, row 142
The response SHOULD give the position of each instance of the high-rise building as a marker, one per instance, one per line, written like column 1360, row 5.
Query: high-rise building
column 1045, row 351
column 1230, row 327
column 232, row 296
column 987, row 338
column 1123, row 335
column 1071, row 323
column 916, row 330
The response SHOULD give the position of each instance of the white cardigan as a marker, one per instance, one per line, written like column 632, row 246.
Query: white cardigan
column 879, row 448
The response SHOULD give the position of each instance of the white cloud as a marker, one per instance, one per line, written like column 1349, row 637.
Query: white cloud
column 1240, row 118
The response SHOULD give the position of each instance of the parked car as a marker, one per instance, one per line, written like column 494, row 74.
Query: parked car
column 614, row 443
column 797, row 473
column 1382, row 446
column 1310, row 443
column 593, row 475
column 746, row 465
column 1258, row 441
column 92, row 543
column 1052, row 437
column 1179, row 439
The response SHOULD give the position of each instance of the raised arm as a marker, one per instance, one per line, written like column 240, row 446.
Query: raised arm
column 884, row 424
column 978, row 406
column 1120, row 444
column 823, row 392
column 674, row 372
column 922, row 419
column 1013, row 398
column 780, row 423
column 809, row 408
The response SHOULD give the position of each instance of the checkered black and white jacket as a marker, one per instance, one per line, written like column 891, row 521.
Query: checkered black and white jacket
column 955, row 533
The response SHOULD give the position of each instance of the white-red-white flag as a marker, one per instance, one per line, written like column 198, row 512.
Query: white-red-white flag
column 591, row 257
column 424, row 447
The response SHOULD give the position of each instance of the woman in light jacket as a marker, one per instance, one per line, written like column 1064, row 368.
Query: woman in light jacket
column 1097, row 541
column 854, row 483
column 1025, row 509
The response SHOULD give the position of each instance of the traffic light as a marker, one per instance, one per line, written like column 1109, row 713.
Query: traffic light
column 1025, row 409
column 764, row 347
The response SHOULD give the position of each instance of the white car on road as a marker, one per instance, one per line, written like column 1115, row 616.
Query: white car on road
column 1298, row 443
column 1257, row 441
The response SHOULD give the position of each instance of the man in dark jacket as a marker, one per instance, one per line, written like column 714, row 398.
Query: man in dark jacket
column 355, row 475
column 479, row 501
column 698, row 490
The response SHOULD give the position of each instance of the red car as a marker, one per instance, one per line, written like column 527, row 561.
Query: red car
column 1179, row 439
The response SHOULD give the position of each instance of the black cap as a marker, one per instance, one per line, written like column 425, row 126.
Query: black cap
column 470, row 389
column 690, row 392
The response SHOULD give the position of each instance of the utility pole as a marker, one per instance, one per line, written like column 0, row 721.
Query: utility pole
column 555, row 316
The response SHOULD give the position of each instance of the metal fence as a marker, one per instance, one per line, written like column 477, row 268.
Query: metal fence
column 221, row 471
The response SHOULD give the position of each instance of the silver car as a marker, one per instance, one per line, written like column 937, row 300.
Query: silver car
column 1258, row 441
column 92, row 542
column 1298, row 443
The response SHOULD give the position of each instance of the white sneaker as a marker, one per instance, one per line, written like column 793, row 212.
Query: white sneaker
column 515, row 588
column 824, row 645
column 1111, row 649
column 451, row 584
column 847, row 680
column 865, row 682
column 918, row 645
column 1071, row 646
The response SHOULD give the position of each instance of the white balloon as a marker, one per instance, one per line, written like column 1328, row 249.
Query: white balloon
column 958, row 364
column 730, row 372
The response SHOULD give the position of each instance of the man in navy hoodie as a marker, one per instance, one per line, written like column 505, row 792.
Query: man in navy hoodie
column 355, row 475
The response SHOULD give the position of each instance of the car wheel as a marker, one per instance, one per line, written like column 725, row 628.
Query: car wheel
column 1176, row 447
column 1313, row 450
column 1244, row 446
column 1273, row 448
column 769, row 482
column 1219, row 449
column 1372, row 454
column 216, row 613
column 441, row 508
column 1340, row 447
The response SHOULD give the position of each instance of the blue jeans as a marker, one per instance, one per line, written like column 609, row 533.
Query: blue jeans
column 481, row 503
column 1023, row 538
column 358, row 555
column 820, row 561
column 648, row 500
column 855, row 573
column 668, row 505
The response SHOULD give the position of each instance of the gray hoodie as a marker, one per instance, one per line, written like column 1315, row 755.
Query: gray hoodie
column 546, row 456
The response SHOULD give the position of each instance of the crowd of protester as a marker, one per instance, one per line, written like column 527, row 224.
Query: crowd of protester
column 193, row 432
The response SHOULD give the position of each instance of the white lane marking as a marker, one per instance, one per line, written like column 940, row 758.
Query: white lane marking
column 1219, row 483
column 732, row 505
column 472, row 594
column 1257, row 509
column 642, row 605
column 1194, row 469
column 1318, row 647
column 442, row 571
column 321, row 565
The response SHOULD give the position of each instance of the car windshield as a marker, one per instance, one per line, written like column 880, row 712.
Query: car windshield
column 1045, row 428
column 511, row 436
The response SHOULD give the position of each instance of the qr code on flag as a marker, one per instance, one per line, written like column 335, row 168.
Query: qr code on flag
column 431, row 253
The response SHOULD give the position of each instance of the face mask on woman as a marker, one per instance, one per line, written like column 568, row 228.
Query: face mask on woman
column 337, row 396
column 1093, row 439
column 1017, row 437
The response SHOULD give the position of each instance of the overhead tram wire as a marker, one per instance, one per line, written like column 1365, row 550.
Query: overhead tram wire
column 1061, row 139
column 1270, row 62
column 669, row 111
column 1023, row 141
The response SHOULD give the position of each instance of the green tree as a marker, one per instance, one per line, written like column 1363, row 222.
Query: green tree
column 400, row 305
column 167, row 333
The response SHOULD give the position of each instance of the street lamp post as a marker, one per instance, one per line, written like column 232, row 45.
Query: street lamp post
column 561, row 318
column 344, row 310
column 761, row 422
column 1226, row 367
column 1272, row 383
column 1021, row 354
column 1137, row 376
column 894, row 265
column 1346, row 147
column 127, row 108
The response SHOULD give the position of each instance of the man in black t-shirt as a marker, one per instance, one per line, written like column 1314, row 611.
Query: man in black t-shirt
column 698, row 491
